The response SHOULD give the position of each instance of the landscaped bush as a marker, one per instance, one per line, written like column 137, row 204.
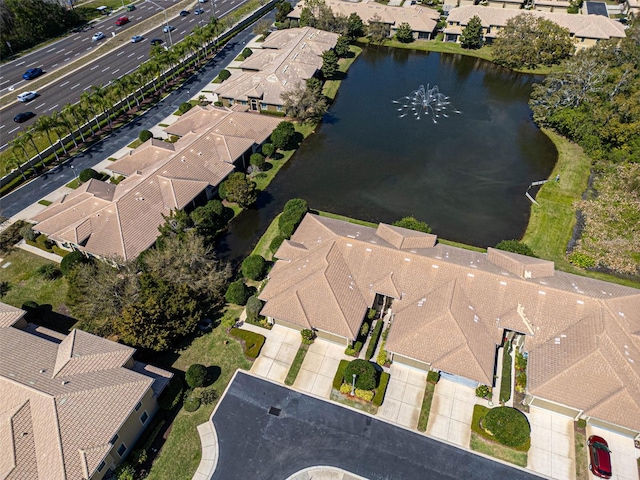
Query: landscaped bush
column 268, row 149
column 247, row 52
column 508, row 426
column 374, row 340
column 237, row 293
column 383, row 357
column 145, row 135
column 371, row 313
column 254, row 305
column 191, row 402
column 257, row 161
column 433, row 376
column 366, row 374
column 126, row 471
column 483, row 391
column 381, row 389
column 275, row 243
column 505, row 380
column 71, row 260
column 28, row 233
column 254, row 267
column 364, row 329
column 292, row 214
column 521, row 372
column 87, row 174
column 345, row 388
column 253, row 342
column 354, row 350
column 582, row 260
column 287, row 228
column 171, row 395
column 364, row 394
column 224, row 74
column 218, row 103
column 338, row 379
column 184, row 108
column 207, row 396
column 30, row 305
column 307, row 336
column 515, row 246
column 49, row 271
column 196, row 375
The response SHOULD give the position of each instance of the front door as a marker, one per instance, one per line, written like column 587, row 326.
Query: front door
column 254, row 104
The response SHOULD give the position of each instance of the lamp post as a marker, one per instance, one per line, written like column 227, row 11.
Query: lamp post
column 76, row 174
column 353, row 385
column 166, row 21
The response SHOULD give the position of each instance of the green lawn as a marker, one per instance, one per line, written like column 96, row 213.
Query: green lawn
column 262, row 247
column 297, row 363
column 330, row 89
column 505, row 381
column 423, row 421
column 25, row 283
column 496, row 450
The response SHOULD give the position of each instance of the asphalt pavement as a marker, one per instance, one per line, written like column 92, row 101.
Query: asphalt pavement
column 303, row 431
column 33, row 191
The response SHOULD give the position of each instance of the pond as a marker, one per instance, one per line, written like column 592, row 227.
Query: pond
column 465, row 175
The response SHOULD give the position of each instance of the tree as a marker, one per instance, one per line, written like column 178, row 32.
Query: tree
column 472, row 34
column 329, row 64
column 238, row 188
column 196, row 375
column 342, row 46
column 305, row 104
column 306, row 18
column 528, row 41
column 70, row 260
column 355, row 26
column 176, row 223
column 404, row 34
column 45, row 125
column 257, row 161
column 253, row 308
column 413, row 224
column 282, row 10
column 210, row 218
column 237, row 293
column 263, row 28
column 87, row 174
column 283, row 135
column 254, row 267
column 516, row 247
column 377, row 31
column 268, row 149
column 276, row 242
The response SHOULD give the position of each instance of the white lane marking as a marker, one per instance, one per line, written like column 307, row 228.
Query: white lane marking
column 5, row 145
column 119, row 54
column 93, row 68
column 86, row 88
column 89, row 48
column 76, row 85
column 141, row 56
column 53, row 107
column 6, row 81
column 41, row 105
column 115, row 71
column 129, row 71
column 51, row 50
column 11, row 131
column 191, row 20
column 62, row 50
column 18, row 64
column 67, row 59
column 131, row 54
column 65, row 83
column 77, row 54
column 105, row 69
column 109, row 28
column 54, row 65
column 2, row 126
column 182, row 32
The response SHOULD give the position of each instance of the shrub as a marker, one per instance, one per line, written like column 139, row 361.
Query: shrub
column 582, row 423
column 374, row 340
column 382, row 357
column 145, row 135
column 224, row 75
column 275, row 243
column 582, row 260
column 208, row 395
column 268, row 149
column 508, row 426
column 364, row 329
column 287, row 229
column 381, row 389
column 87, row 174
column 125, row 472
column 515, row 246
column 191, row 402
column 338, row 379
column 364, row 394
column 307, row 336
column 237, row 293
column 171, row 395
column 184, row 108
column 292, row 214
column 71, row 260
column 30, row 306
column 49, row 271
column 218, row 103
column 196, row 375
column 354, row 350
column 247, row 52
column 253, row 342
column 138, row 457
column 345, row 388
column 413, row 223
column 371, row 313
column 366, row 374
column 483, row 391
column 257, row 161
column 28, row 233
column 254, row 267
column 254, row 305
column 521, row 382
column 433, row 376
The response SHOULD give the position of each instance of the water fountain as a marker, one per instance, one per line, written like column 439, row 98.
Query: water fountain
column 425, row 102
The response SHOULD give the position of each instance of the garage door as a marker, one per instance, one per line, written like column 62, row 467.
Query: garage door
column 458, row 379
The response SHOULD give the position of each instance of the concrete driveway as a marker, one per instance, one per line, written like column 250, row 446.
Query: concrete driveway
column 552, row 451
column 451, row 412
column 278, row 352
column 403, row 400
column 319, row 367
column 623, row 453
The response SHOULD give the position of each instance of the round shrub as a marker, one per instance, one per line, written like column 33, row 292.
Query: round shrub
column 191, row 403
column 287, row 228
column 184, row 108
column 254, row 305
column 28, row 233
column 224, row 74
column 515, row 246
column 257, row 160
column 87, row 174
column 275, row 243
column 71, row 260
column 30, row 305
column 268, row 149
column 237, row 293
column 254, row 267
column 196, row 375
column 366, row 374
column 307, row 336
column 483, row 391
column 247, row 52
column 145, row 135
column 508, row 426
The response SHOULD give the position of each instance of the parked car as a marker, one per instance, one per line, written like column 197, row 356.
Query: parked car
column 122, row 21
column 202, row 1
column 168, row 28
column 599, row 457
column 27, row 96
column 131, row 8
column 184, row 13
column 198, row 11
column 97, row 36
column 23, row 117
column 156, row 41
column 137, row 38
column 32, row 73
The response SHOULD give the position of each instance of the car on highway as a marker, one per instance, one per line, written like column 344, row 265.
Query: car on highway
column 131, row 8
column 599, row 457
column 198, row 11
column 27, row 96
column 32, row 73
column 97, row 36
column 122, row 21
column 184, row 13
column 23, row 117
column 156, row 41
column 168, row 28
column 137, row 38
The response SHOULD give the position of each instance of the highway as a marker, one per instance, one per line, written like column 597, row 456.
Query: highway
column 101, row 71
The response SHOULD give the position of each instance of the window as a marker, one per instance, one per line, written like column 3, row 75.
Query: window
column 122, row 449
column 101, row 466
column 144, row 417
column 138, row 406
column 114, row 439
column 279, row 108
column 263, row 106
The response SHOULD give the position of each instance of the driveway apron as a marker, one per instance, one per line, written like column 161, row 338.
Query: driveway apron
column 403, row 400
column 452, row 412
column 278, row 352
column 552, row 451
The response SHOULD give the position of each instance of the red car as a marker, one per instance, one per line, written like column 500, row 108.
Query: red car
column 599, row 457
column 122, row 20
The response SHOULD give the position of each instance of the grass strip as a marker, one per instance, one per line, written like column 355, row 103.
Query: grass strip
column 505, row 380
column 262, row 247
column 297, row 363
column 423, row 421
column 498, row 451
column 375, row 336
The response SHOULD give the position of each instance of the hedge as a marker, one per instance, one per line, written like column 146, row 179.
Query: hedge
column 375, row 336
column 87, row 174
column 252, row 342
column 381, row 389
column 339, row 377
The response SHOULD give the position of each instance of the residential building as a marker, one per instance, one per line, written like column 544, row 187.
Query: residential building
column 422, row 20
column 72, row 406
column 287, row 58
column 585, row 30
column 121, row 221
column 451, row 309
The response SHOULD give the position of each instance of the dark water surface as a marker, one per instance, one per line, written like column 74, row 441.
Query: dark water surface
column 465, row 175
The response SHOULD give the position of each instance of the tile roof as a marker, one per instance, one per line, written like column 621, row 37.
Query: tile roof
column 9, row 315
column 62, row 402
column 451, row 307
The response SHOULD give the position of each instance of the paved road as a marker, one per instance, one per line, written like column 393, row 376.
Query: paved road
column 256, row 445
column 32, row 192
column 115, row 64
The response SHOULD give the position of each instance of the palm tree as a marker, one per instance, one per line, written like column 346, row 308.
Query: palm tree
column 100, row 98
column 87, row 100
column 122, row 87
column 61, row 128
column 16, row 161
column 20, row 142
column 45, row 125
column 73, row 112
